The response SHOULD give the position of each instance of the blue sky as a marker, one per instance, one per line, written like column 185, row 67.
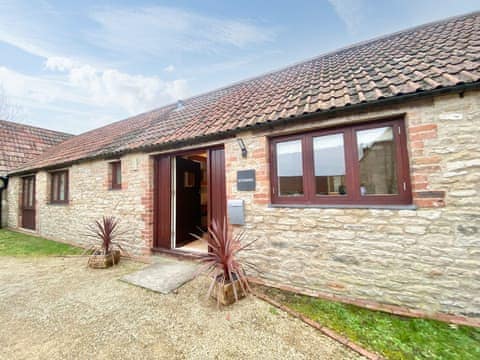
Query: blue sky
column 74, row 66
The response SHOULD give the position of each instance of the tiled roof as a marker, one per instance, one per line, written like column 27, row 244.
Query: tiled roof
column 20, row 143
column 429, row 57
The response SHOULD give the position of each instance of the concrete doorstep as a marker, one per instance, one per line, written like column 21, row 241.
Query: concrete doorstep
column 163, row 276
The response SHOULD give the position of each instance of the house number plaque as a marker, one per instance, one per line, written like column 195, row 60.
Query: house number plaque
column 246, row 180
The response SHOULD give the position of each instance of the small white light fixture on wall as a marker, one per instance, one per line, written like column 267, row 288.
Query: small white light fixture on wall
column 243, row 148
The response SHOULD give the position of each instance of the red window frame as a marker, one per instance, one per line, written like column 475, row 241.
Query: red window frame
column 55, row 187
column 115, row 168
column 352, row 166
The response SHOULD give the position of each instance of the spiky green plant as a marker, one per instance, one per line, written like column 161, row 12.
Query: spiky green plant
column 106, row 232
column 221, row 262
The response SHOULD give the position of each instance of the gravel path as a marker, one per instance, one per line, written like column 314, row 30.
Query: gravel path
column 57, row 308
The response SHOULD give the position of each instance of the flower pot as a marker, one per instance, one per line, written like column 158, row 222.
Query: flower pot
column 224, row 292
column 103, row 261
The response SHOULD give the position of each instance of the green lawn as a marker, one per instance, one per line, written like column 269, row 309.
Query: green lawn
column 17, row 244
column 394, row 337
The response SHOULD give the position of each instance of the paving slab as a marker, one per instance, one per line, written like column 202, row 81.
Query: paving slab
column 163, row 276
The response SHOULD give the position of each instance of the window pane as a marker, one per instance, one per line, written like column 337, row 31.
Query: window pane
column 61, row 192
column 25, row 192
column 30, row 193
column 376, row 154
column 55, row 187
column 118, row 174
column 329, row 161
column 289, row 168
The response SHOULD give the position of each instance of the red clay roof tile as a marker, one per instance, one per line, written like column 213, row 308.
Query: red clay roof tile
column 432, row 56
column 20, row 143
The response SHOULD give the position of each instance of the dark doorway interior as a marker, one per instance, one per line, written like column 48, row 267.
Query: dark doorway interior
column 190, row 198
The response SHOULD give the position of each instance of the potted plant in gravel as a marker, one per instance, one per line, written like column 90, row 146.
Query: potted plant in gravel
column 221, row 263
column 103, row 252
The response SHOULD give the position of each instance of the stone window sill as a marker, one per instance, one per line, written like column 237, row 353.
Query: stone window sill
column 344, row 206
column 59, row 203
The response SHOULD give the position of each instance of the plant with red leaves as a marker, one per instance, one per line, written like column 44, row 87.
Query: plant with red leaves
column 222, row 262
column 107, row 231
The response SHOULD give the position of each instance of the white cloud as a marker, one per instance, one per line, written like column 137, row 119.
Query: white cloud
column 21, row 26
column 158, row 30
column 134, row 93
column 98, row 93
column 59, row 63
column 88, row 85
column 350, row 11
column 28, row 88
column 169, row 68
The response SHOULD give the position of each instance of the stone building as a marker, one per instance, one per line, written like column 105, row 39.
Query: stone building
column 358, row 172
column 18, row 144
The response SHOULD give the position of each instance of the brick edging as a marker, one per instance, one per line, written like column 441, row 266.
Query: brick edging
column 323, row 329
column 372, row 305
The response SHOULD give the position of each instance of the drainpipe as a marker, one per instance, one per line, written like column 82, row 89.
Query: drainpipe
column 3, row 186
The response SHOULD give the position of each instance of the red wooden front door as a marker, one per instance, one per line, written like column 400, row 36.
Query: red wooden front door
column 217, row 204
column 162, row 202
column 28, row 202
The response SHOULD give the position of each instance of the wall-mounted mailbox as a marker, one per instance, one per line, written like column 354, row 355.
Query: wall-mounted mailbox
column 246, row 180
column 236, row 213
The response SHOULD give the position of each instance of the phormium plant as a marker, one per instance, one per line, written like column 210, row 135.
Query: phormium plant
column 222, row 262
column 106, row 232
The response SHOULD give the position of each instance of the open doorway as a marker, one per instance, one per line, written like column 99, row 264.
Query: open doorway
column 190, row 202
column 189, row 195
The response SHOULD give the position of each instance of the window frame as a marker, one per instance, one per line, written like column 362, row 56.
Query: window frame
column 56, row 191
column 352, row 167
column 114, row 167
column 28, row 181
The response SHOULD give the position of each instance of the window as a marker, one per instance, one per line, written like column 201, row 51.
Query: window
column 329, row 165
column 376, row 160
column 59, row 187
column 290, row 170
column 28, row 192
column 116, row 170
column 365, row 164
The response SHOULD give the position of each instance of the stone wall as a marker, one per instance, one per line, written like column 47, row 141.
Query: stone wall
column 90, row 197
column 426, row 258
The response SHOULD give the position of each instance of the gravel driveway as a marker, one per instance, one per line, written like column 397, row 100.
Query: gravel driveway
column 57, row 308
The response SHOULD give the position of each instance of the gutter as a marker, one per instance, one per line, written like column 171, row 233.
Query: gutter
column 460, row 88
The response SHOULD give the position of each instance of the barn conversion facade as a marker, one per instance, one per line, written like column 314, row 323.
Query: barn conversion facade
column 357, row 171
column 20, row 143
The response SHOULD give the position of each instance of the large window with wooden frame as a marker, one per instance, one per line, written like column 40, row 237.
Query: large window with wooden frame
column 59, row 187
column 357, row 165
column 116, row 177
